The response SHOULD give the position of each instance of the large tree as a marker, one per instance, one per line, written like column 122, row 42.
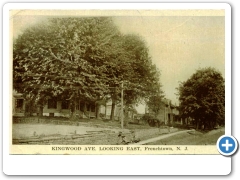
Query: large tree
column 202, row 97
column 82, row 59
column 134, row 68
column 142, row 76
column 64, row 58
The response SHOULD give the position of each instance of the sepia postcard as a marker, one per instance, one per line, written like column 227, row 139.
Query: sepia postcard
column 117, row 81
column 92, row 80
column 125, row 81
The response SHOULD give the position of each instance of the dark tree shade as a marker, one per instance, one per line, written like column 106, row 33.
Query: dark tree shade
column 202, row 97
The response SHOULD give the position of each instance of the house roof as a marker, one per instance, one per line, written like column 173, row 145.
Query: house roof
column 168, row 102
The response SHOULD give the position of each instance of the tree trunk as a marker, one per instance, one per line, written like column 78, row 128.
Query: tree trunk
column 73, row 110
column 125, row 117
column 113, row 108
column 106, row 110
column 197, row 124
column 40, row 111
column 97, row 110
column 205, row 125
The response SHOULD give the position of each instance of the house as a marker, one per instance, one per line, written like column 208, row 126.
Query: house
column 59, row 108
column 53, row 107
column 167, row 114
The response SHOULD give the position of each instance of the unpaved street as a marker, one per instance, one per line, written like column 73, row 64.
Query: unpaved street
column 82, row 134
column 108, row 134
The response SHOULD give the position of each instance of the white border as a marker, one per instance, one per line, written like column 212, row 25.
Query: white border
column 117, row 6
column 117, row 164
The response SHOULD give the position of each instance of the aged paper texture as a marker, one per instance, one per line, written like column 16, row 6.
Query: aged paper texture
column 83, row 81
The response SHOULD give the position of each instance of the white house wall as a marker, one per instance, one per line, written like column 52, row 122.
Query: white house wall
column 57, row 112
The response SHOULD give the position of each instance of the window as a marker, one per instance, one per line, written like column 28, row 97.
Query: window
column 65, row 104
column 52, row 104
column 19, row 103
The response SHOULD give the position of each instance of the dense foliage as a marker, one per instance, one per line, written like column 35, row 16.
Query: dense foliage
column 82, row 59
column 155, row 103
column 202, row 98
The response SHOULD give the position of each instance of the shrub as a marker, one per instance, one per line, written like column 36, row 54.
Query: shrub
column 151, row 120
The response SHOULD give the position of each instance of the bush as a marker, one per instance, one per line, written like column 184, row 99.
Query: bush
column 146, row 117
column 151, row 120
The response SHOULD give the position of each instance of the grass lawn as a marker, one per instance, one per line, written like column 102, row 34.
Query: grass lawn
column 83, row 122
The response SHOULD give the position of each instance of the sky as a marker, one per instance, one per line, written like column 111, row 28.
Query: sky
column 178, row 45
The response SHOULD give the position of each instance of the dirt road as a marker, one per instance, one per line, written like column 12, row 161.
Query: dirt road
column 108, row 134
column 86, row 133
column 28, row 130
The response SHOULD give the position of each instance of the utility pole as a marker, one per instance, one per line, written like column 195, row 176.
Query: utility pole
column 122, row 104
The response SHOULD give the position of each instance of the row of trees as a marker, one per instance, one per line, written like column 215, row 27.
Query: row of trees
column 88, row 58
column 82, row 59
column 201, row 97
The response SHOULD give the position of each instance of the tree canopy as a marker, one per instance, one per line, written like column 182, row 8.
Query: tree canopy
column 155, row 103
column 202, row 97
column 81, row 58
